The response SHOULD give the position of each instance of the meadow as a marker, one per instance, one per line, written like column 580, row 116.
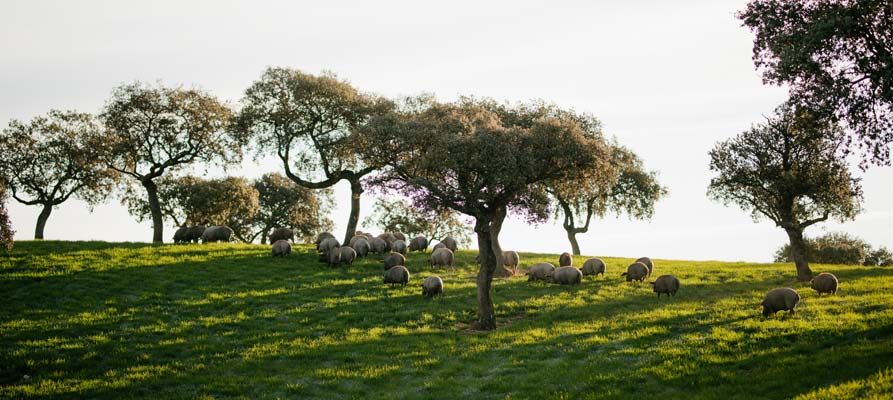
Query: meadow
column 124, row 320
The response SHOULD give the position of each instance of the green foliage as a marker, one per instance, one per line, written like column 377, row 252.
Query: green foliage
column 625, row 187
column 309, row 122
column 830, row 248
column 880, row 257
column 286, row 204
column 400, row 216
column 788, row 170
column 50, row 158
column 251, row 209
column 835, row 56
column 6, row 231
column 151, row 130
column 124, row 320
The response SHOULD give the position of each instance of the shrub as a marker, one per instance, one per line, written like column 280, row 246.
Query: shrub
column 831, row 248
column 881, row 257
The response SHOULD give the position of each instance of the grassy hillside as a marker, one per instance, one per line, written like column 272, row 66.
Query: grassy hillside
column 113, row 320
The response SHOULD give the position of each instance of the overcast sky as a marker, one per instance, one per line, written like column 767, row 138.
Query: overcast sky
column 668, row 79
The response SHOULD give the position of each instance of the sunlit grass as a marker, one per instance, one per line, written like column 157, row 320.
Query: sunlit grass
column 113, row 320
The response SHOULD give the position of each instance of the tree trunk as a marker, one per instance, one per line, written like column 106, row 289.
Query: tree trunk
column 155, row 208
column 572, row 237
column 487, row 229
column 486, row 311
column 263, row 237
column 798, row 254
column 42, row 220
column 356, row 189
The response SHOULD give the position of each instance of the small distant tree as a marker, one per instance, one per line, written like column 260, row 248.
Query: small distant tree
column 152, row 130
column 483, row 160
column 6, row 231
column 310, row 122
column 626, row 187
column 400, row 216
column 190, row 200
column 287, row 205
column 830, row 248
column 49, row 159
column 788, row 169
column 879, row 257
column 835, row 56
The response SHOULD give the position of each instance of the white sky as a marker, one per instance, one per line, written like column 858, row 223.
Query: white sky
column 668, row 79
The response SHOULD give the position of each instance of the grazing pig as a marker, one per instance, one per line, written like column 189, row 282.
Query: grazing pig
column 439, row 245
column 195, row 233
column 648, row 264
column 540, row 272
column 432, row 286
column 510, row 259
column 419, row 243
column 636, row 272
column 666, row 284
column 361, row 246
column 393, row 259
column 321, row 237
column 441, row 257
column 396, row 275
column 333, row 256
column 400, row 236
column 281, row 234
column 219, row 233
column 328, row 244
column 567, row 275
column 378, row 245
column 594, row 266
column 348, row 254
column 181, row 234
column 450, row 243
column 399, row 246
column 781, row 299
column 281, row 248
column 565, row 259
column 825, row 282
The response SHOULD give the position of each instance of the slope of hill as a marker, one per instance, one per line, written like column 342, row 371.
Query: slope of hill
column 113, row 320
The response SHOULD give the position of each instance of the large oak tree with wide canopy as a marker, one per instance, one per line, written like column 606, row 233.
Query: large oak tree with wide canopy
column 482, row 159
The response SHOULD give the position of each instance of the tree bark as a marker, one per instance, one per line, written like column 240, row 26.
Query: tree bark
column 486, row 311
column 155, row 209
column 263, row 237
column 42, row 220
column 356, row 189
column 487, row 229
column 798, row 254
column 572, row 237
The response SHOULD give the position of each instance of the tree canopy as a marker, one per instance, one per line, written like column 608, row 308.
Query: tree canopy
column 789, row 170
column 836, row 56
column 309, row 122
column 398, row 215
column 150, row 130
column 483, row 159
column 49, row 159
column 625, row 187
column 284, row 204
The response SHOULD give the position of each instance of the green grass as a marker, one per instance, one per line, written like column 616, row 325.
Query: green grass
column 121, row 320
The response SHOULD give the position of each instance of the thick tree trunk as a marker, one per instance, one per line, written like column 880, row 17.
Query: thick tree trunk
column 42, row 220
column 488, row 260
column 572, row 237
column 487, row 230
column 798, row 254
column 263, row 238
column 155, row 209
column 356, row 189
